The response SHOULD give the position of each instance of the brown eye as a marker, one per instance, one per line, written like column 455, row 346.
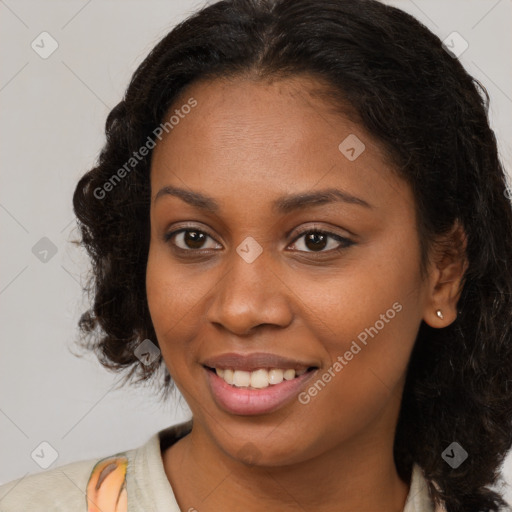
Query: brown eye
column 189, row 239
column 317, row 241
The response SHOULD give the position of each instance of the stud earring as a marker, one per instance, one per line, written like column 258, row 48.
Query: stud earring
column 439, row 314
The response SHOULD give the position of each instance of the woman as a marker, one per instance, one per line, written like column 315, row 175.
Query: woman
column 300, row 215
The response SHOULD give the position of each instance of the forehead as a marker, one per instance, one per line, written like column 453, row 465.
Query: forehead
column 284, row 112
column 278, row 136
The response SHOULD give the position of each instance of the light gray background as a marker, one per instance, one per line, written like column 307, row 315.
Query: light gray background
column 53, row 114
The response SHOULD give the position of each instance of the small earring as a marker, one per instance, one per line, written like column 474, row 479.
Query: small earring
column 439, row 314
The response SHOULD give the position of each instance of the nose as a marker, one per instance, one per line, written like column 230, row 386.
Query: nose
column 250, row 295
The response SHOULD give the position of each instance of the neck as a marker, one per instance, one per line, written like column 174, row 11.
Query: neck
column 360, row 475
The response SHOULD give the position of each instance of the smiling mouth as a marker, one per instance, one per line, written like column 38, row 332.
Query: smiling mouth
column 260, row 378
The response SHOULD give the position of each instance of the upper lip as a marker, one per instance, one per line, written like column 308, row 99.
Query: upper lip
column 254, row 361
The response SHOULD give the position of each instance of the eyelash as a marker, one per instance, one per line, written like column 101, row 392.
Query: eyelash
column 344, row 242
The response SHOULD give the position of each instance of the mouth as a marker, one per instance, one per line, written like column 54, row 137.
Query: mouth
column 256, row 391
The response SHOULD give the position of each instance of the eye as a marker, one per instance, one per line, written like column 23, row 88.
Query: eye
column 189, row 239
column 315, row 240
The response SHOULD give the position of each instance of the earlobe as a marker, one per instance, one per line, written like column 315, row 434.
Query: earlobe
column 439, row 319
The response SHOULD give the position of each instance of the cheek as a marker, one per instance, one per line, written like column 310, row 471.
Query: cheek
column 369, row 317
column 174, row 294
column 363, row 381
column 172, row 291
column 169, row 301
column 373, row 303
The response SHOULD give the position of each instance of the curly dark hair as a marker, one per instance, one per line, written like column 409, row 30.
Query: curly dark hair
column 430, row 116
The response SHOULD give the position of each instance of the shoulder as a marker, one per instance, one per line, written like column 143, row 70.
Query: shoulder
column 88, row 485
column 106, row 484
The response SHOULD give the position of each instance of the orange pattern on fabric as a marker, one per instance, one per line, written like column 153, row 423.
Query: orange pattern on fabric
column 106, row 488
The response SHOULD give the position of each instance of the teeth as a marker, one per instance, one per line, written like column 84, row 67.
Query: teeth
column 228, row 376
column 258, row 379
column 241, row 378
column 275, row 376
column 289, row 374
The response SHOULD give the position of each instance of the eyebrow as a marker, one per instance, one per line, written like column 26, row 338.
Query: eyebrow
column 284, row 204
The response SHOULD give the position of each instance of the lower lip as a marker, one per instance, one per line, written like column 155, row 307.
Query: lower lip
column 247, row 401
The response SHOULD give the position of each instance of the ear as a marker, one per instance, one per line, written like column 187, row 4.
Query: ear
column 447, row 268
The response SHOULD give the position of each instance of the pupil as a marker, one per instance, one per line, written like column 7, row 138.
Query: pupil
column 315, row 238
column 194, row 239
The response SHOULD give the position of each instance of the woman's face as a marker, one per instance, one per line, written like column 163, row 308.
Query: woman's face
column 247, row 279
